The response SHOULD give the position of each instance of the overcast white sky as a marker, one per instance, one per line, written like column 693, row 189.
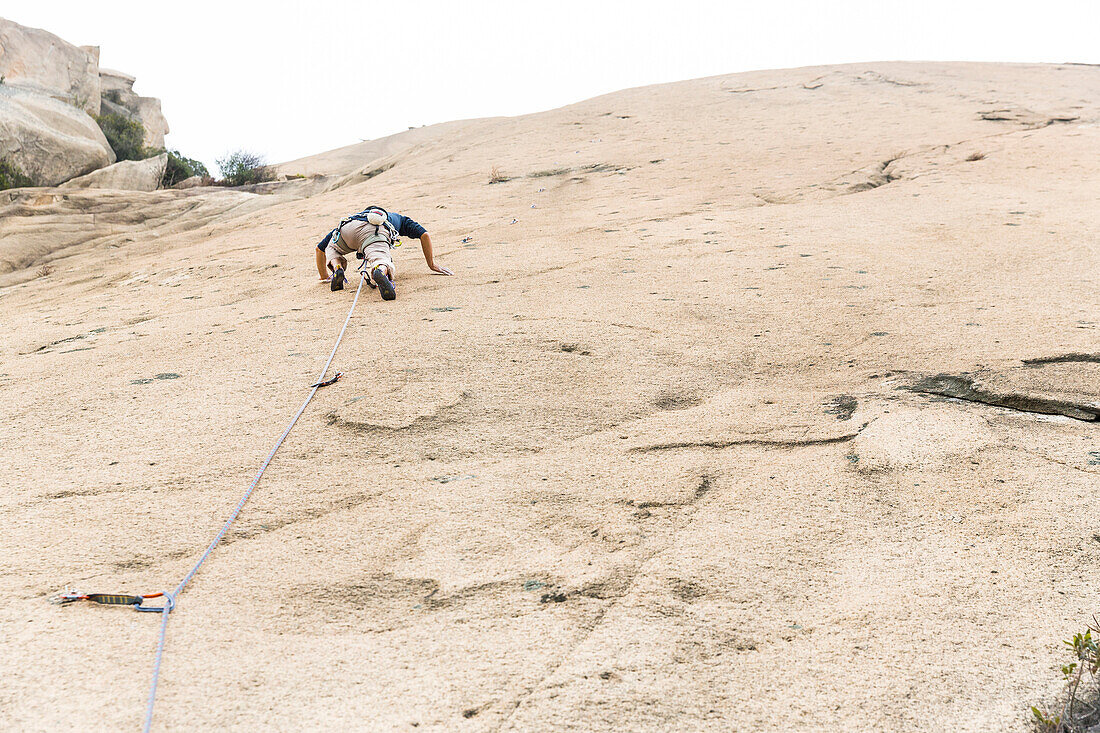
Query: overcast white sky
column 289, row 79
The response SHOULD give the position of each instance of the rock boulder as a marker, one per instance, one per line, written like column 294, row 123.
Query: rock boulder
column 49, row 91
column 119, row 97
column 192, row 182
column 39, row 60
column 126, row 175
column 49, row 140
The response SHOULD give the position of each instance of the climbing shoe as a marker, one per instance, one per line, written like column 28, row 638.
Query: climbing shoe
column 337, row 280
column 378, row 275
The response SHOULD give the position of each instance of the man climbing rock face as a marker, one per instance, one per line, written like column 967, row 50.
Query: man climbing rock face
column 371, row 234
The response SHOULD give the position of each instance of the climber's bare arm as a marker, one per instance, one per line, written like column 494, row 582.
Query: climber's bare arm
column 426, row 245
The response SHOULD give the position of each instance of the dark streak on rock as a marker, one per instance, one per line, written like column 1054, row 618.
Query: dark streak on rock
column 843, row 406
column 965, row 387
column 1063, row 359
column 70, row 339
column 753, row 89
column 703, row 488
column 720, row 444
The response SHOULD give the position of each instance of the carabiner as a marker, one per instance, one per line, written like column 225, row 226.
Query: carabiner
column 169, row 604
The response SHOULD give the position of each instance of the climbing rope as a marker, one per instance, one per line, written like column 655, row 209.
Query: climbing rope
column 171, row 596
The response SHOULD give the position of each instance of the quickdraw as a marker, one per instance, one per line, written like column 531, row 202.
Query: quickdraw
column 114, row 599
column 327, row 382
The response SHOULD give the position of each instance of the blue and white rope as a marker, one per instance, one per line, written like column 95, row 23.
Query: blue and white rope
column 170, row 597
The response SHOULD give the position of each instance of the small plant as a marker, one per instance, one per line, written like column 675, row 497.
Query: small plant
column 2, row 79
column 45, row 271
column 495, row 176
column 113, row 95
column 180, row 167
column 975, row 156
column 12, row 176
column 242, row 168
column 1080, row 712
column 125, row 136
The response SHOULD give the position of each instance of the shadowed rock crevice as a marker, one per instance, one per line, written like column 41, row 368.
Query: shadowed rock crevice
column 706, row 483
column 1030, row 119
column 591, row 168
column 966, row 387
column 68, row 340
column 760, row 442
column 748, row 90
column 877, row 176
column 1074, row 358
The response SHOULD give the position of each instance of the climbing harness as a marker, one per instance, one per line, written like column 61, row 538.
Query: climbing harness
column 377, row 217
column 136, row 601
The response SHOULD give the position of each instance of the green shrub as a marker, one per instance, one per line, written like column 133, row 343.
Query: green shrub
column 12, row 177
column 242, row 168
column 179, row 168
column 1078, row 711
column 125, row 136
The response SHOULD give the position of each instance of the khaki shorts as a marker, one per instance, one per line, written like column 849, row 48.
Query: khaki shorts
column 378, row 253
column 340, row 249
column 350, row 239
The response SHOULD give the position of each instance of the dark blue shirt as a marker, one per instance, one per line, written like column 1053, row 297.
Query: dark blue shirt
column 405, row 226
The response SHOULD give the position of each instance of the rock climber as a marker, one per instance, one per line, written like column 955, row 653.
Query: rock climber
column 371, row 234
